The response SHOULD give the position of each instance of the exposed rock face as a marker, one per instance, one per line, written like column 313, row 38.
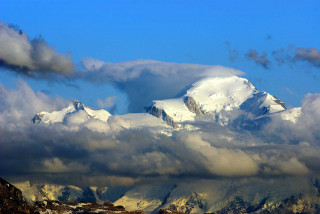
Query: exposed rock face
column 11, row 200
column 78, row 105
column 193, row 106
column 160, row 113
column 280, row 102
column 190, row 103
column 37, row 118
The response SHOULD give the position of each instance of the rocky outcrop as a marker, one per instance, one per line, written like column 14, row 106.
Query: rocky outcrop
column 78, row 105
column 50, row 206
column 11, row 199
column 280, row 102
column 193, row 106
column 37, row 118
column 160, row 113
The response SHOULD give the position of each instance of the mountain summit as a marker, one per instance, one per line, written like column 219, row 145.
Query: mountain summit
column 220, row 99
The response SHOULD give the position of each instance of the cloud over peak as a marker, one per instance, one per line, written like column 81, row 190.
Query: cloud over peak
column 90, row 148
column 147, row 80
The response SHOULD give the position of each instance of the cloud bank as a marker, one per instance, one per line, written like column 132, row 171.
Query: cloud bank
column 92, row 152
column 31, row 58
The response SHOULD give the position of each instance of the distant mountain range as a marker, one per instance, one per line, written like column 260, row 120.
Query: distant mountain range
column 227, row 100
column 219, row 197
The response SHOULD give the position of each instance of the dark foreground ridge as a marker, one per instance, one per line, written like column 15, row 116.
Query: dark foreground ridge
column 11, row 199
column 12, row 202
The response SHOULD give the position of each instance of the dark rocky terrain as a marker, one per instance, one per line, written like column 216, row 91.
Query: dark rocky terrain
column 12, row 202
column 11, row 199
column 49, row 206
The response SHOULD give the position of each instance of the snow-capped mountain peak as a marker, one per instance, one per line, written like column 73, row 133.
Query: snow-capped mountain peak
column 217, row 97
column 74, row 107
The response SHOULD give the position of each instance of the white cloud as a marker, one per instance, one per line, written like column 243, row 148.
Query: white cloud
column 305, row 129
column 18, row 106
column 33, row 58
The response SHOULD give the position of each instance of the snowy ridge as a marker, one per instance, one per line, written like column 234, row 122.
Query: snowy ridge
column 76, row 106
column 262, row 103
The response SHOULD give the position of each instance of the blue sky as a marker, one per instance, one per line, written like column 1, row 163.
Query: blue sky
column 172, row 31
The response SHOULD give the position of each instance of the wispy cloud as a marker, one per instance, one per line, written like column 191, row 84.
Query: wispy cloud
column 292, row 54
column 310, row 55
column 108, row 102
column 268, row 37
column 288, row 90
column 233, row 54
column 259, row 59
